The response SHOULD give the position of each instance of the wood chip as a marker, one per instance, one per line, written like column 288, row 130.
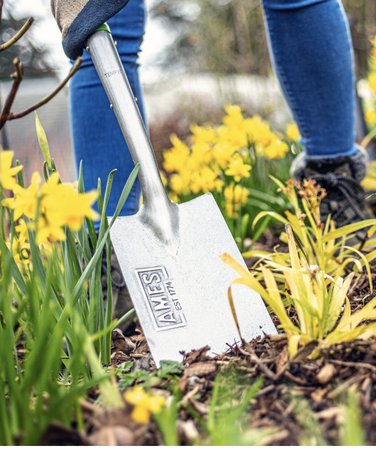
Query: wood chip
column 200, row 369
column 319, row 394
column 282, row 359
column 329, row 413
column 112, row 436
column 325, row 374
column 196, row 355
column 188, row 429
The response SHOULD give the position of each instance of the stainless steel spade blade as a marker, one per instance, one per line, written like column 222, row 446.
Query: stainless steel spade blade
column 168, row 253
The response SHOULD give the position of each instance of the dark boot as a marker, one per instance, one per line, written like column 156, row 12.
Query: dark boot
column 340, row 177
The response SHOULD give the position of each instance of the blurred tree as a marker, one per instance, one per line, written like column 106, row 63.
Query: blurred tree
column 216, row 36
column 32, row 55
column 228, row 36
column 362, row 17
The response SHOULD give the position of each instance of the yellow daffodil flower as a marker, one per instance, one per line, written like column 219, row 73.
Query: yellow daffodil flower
column 258, row 131
column 22, row 230
column 222, row 154
column 64, row 205
column 203, row 135
column 292, row 132
column 7, row 172
column 238, row 169
column 276, row 150
column 25, row 200
column 20, row 249
column 372, row 81
column 234, row 116
column 48, row 230
column 144, row 404
column 370, row 116
column 236, row 194
column 176, row 158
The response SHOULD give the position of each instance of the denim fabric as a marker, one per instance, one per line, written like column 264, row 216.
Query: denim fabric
column 97, row 138
column 312, row 56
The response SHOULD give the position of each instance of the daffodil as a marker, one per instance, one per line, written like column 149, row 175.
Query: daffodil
column 63, row 205
column 176, row 158
column 238, row 169
column 372, row 81
column 373, row 53
column 203, row 135
column 7, row 172
column 370, row 116
column 25, row 200
column 258, row 131
column 144, row 404
column 276, row 150
column 49, row 230
column 19, row 248
column 180, row 183
column 222, row 153
column 234, row 116
column 236, row 194
column 292, row 132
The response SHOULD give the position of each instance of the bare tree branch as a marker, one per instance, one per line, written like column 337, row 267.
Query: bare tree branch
column 17, row 78
column 42, row 102
column 1, row 9
column 18, row 35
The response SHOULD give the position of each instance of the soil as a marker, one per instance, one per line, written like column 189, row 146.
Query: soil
column 281, row 403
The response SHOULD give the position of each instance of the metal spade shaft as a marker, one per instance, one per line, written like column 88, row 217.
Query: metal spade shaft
column 158, row 212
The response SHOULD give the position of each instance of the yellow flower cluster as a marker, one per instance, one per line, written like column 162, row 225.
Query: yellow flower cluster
column 144, row 404
column 216, row 157
column 50, row 205
column 370, row 103
column 235, row 196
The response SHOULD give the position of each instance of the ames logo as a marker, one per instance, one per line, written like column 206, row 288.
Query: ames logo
column 161, row 297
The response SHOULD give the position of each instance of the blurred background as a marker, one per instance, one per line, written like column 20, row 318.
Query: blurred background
column 197, row 56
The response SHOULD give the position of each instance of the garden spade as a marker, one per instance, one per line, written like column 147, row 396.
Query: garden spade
column 169, row 253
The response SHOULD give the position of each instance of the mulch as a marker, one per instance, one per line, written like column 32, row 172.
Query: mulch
column 289, row 387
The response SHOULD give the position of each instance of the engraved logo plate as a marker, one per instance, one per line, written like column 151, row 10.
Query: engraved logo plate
column 163, row 303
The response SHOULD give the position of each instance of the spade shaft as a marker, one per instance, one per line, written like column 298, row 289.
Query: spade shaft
column 158, row 211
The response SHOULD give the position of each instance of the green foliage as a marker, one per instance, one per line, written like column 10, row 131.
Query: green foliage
column 312, row 433
column 170, row 368
column 167, row 420
column 317, row 298
column 320, row 244
column 55, row 302
column 352, row 431
column 227, row 422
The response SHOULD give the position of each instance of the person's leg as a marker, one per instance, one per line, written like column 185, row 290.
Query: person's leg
column 311, row 51
column 97, row 138
column 312, row 58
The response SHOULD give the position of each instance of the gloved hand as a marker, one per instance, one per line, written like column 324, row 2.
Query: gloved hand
column 77, row 19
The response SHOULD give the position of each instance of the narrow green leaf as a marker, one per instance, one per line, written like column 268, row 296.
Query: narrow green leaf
column 18, row 278
column 348, row 229
column 98, row 253
column 42, row 138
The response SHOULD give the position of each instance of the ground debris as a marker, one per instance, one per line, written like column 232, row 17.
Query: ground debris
column 321, row 384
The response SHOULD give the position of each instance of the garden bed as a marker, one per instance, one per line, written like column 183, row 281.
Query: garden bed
column 300, row 401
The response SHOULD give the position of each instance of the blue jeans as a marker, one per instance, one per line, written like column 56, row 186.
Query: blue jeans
column 97, row 138
column 312, row 57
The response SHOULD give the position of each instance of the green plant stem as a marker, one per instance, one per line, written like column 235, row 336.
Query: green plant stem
column 18, row 35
